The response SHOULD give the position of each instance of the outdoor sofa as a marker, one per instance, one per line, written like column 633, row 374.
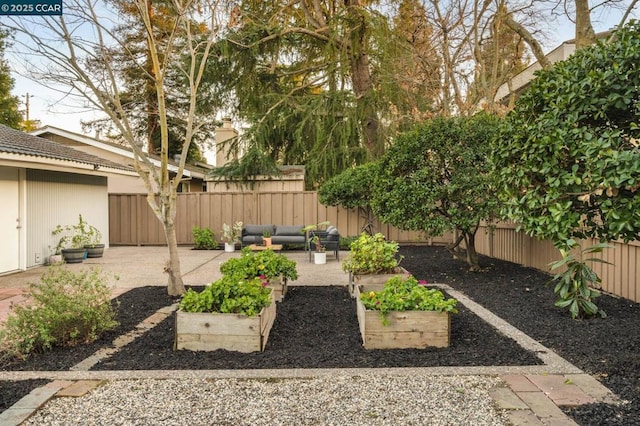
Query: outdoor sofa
column 280, row 234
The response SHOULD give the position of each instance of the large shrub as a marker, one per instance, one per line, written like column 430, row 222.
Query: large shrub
column 567, row 156
column 437, row 179
column 65, row 309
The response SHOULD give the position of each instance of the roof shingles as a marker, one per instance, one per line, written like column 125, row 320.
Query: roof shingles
column 16, row 142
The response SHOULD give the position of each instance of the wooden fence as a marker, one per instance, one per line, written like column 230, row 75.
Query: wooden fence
column 131, row 222
column 621, row 276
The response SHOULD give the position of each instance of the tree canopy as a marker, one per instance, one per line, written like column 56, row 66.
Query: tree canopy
column 352, row 189
column 437, row 178
column 9, row 112
column 568, row 155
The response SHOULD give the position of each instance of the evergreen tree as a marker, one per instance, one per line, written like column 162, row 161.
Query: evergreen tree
column 9, row 112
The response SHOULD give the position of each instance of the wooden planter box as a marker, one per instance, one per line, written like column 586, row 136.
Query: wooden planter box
column 233, row 332
column 374, row 282
column 408, row 329
column 279, row 287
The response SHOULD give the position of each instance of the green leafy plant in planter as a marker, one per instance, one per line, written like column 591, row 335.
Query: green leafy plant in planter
column 406, row 293
column 265, row 263
column 204, row 239
column 75, row 239
column 372, row 254
column 230, row 294
column 315, row 240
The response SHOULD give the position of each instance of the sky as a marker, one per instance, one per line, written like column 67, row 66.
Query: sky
column 50, row 108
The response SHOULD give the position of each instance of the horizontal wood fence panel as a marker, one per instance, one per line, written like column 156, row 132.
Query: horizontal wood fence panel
column 132, row 222
column 619, row 277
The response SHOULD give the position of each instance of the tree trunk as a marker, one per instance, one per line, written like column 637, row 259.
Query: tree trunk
column 585, row 36
column 472, row 255
column 175, row 285
column 361, row 80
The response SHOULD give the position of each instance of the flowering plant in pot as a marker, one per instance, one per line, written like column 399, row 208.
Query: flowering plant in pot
column 231, row 235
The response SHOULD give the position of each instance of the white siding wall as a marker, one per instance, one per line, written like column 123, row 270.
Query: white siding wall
column 55, row 198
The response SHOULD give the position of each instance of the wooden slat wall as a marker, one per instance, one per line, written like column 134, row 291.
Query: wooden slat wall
column 131, row 222
column 621, row 277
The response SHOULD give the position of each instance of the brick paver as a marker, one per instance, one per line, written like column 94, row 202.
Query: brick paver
column 561, row 390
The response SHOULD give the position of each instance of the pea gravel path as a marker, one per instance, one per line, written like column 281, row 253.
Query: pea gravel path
column 337, row 400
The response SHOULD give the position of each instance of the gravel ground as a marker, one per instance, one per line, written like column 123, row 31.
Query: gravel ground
column 342, row 400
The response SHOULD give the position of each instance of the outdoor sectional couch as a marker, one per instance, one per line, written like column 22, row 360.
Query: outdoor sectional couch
column 280, row 234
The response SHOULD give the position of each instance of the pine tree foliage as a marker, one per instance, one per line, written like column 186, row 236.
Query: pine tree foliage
column 318, row 84
column 9, row 105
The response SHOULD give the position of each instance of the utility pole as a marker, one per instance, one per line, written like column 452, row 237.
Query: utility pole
column 26, row 106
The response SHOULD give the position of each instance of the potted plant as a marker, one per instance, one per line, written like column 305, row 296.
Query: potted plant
column 320, row 254
column 93, row 243
column 72, row 241
column 404, row 314
column 266, row 238
column 313, row 238
column 231, row 235
column 372, row 260
column 56, row 256
column 232, row 313
column 275, row 268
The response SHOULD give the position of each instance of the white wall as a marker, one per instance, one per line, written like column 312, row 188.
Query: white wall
column 55, row 198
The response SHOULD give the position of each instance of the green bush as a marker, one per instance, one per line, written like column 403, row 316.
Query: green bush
column 265, row 263
column 372, row 254
column 230, row 294
column 204, row 239
column 65, row 309
column 345, row 242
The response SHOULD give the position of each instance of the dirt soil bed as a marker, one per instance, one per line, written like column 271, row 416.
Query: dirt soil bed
column 317, row 327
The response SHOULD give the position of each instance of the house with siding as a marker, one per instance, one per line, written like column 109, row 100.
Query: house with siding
column 43, row 184
column 193, row 175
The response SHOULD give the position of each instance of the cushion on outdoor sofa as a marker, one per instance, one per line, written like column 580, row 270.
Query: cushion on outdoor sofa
column 293, row 230
column 258, row 230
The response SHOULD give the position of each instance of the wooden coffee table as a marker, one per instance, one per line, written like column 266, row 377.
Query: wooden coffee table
column 274, row 247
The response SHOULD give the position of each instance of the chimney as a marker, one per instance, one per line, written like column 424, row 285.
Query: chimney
column 223, row 136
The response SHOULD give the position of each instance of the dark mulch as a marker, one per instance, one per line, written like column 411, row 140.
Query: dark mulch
column 317, row 327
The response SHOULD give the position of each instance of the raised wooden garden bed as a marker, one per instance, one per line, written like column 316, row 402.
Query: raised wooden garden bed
column 374, row 282
column 407, row 329
column 279, row 287
column 233, row 332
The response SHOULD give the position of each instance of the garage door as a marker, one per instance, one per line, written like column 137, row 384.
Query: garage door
column 9, row 214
